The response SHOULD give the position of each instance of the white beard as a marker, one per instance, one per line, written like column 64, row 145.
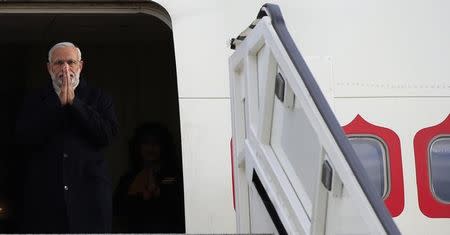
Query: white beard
column 57, row 82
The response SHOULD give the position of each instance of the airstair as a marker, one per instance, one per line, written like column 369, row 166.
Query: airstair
column 295, row 171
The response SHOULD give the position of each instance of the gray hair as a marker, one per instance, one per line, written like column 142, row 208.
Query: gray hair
column 63, row 44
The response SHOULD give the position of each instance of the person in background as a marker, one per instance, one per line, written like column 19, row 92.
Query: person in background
column 147, row 197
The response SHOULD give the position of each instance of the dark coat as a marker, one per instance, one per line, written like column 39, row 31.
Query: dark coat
column 67, row 186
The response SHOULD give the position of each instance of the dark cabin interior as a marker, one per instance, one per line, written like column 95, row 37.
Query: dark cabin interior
column 130, row 56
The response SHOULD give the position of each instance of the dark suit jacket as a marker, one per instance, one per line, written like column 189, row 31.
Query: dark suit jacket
column 67, row 186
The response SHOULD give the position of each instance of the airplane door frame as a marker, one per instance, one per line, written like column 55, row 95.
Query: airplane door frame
column 149, row 8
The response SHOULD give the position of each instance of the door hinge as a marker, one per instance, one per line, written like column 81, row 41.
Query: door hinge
column 279, row 87
column 327, row 175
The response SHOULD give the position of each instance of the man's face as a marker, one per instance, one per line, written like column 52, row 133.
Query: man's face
column 62, row 59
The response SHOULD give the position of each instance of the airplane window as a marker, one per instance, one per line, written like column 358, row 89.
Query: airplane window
column 439, row 157
column 372, row 153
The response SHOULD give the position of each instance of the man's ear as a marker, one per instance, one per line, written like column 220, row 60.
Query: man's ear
column 81, row 65
column 49, row 67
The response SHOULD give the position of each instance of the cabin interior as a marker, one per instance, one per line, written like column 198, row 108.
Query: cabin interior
column 130, row 56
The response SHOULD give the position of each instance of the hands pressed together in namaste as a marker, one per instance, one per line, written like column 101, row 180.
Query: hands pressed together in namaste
column 67, row 93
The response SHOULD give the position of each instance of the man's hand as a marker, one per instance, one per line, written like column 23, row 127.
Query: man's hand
column 67, row 92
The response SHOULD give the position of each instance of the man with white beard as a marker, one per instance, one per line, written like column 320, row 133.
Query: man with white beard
column 63, row 128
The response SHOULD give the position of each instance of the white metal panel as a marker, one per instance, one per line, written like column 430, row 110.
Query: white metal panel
column 322, row 69
column 343, row 216
column 201, row 49
column 239, row 134
column 297, row 147
column 412, row 52
column 376, row 44
column 262, row 223
column 355, row 88
column 205, row 130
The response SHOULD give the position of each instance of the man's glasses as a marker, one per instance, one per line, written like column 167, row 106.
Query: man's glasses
column 71, row 63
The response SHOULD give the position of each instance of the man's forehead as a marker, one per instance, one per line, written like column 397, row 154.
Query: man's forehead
column 64, row 52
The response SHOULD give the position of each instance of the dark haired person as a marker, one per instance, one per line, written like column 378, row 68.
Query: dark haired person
column 147, row 197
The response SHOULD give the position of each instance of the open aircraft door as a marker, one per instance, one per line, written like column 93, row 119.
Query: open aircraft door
column 295, row 172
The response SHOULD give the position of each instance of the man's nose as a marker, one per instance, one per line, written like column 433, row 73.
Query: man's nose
column 65, row 68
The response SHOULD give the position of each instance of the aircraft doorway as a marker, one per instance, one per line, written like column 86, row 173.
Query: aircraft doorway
column 130, row 56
